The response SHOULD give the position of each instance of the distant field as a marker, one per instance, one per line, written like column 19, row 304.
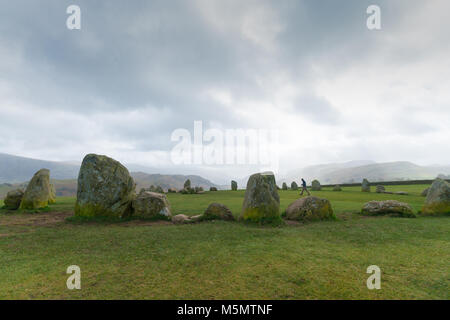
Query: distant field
column 228, row 260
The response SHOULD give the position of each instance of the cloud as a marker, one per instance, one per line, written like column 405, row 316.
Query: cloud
column 316, row 109
column 312, row 70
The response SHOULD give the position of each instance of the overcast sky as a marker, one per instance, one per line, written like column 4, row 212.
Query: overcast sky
column 138, row 70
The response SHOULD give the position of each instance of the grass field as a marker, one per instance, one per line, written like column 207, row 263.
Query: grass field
column 228, row 260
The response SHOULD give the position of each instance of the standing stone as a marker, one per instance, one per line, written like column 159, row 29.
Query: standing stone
column 365, row 186
column 217, row 211
column 315, row 185
column 438, row 198
column 337, row 188
column 388, row 207
column 151, row 205
column 233, row 185
column 294, row 186
column 143, row 190
column 380, row 189
column 425, row 192
column 38, row 192
column 310, row 208
column 13, row 199
column 187, row 191
column 52, row 198
column 284, row 186
column 105, row 188
column 261, row 200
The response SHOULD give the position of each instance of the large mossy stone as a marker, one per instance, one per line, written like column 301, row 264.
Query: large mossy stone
column 315, row 185
column 261, row 200
column 38, row 192
column 234, row 185
column 388, row 207
column 294, row 185
column 217, row 211
column 438, row 199
column 151, row 205
column 13, row 199
column 105, row 188
column 310, row 209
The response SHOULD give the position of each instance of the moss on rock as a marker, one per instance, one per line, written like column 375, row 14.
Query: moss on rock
column 217, row 211
column 309, row 209
column 38, row 192
column 388, row 207
column 151, row 205
column 13, row 199
column 261, row 201
column 105, row 188
column 438, row 199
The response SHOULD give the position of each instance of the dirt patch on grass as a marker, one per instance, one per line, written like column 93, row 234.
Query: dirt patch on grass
column 134, row 223
column 344, row 216
column 292, row 223
column 18, row 223
column 35, row 219
column 4, row 235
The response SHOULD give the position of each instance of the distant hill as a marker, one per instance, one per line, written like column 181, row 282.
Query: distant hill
column 354, row 172
column 145, row 180
column 386, row 172
column 14, row 169
column 323, row 170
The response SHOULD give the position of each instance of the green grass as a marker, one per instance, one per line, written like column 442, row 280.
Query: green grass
column 351, row 199
column 230, row 260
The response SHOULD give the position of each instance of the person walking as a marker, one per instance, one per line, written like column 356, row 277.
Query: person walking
column 304, row 188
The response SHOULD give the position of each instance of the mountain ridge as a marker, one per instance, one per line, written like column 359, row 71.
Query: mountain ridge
column 16, row 171
column 385, row 171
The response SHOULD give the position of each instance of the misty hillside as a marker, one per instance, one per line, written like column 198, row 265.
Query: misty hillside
column 353, row 172
column 145, row 180
column 385, row 172
column 68, row 187
column 322, row 170
column 14, row 169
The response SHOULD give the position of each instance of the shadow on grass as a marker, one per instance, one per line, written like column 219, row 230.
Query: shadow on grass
column 7, row 210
